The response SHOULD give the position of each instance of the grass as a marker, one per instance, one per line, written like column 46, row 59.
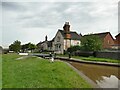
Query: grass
column 94, row 59
column 33, row 72
column 97, row 59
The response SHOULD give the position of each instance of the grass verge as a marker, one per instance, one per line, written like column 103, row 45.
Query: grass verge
column 93, row 59
column 33, row 72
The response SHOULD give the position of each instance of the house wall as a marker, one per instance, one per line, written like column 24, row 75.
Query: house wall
column 44, row 45
column 75, row 42
column 108, row 41
column 67, row 43
column 117, row 41
column 58, row 44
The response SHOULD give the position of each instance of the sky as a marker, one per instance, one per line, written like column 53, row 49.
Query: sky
column 31, row 21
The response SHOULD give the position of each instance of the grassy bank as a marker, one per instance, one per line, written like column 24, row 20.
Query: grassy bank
column 93, row 59
column 33, row 72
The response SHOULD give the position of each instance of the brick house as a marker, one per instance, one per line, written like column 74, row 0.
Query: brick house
column 117, row 42
column 107, row 39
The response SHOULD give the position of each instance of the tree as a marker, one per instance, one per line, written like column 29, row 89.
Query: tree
column 24, row 47
column 28, row 46
column 31, row 46
column 16, row 46
column 91, row 43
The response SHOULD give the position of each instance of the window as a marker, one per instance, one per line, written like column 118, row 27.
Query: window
column 58, row 39
column 59, row 46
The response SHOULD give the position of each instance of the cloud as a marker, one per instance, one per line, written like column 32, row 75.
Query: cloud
column 31, row 21
column 12, row 6
column 0, row 24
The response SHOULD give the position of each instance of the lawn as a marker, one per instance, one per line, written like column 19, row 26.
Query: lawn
column 97, row 59
column 33, row 72
column 93, row 59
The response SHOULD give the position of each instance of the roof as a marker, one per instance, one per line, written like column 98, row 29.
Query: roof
column 49, row 43
column 0, row 47
column 74, row 35
column 101, row 35
column 117, row 35
column 40, row 43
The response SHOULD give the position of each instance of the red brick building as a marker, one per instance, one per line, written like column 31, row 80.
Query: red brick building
column 117, row 40
column 107, row 39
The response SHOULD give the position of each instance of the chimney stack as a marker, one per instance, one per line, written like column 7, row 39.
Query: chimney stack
column 66, row 29
column 46, row 38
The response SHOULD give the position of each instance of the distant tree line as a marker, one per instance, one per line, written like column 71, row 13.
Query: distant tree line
column 88, row 43
column 17, row 47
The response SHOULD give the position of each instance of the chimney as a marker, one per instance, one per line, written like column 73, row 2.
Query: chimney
column 66, row 29
column 80, row 35
column 46, row 38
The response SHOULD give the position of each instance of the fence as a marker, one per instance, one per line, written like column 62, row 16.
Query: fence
column 112, row 55
column 100, row 54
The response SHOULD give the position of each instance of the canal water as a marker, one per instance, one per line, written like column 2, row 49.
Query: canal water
column 103, row 76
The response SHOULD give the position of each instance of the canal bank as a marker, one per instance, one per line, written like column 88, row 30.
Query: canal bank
column 88, row 62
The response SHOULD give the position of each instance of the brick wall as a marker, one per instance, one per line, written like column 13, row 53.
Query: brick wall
column 99, row 54
column 117, row 41
column 108, row 41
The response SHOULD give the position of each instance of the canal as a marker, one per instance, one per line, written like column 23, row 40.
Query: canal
column 103, row 76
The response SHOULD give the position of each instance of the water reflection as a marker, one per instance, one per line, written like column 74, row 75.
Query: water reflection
column 104, row 76
column 111, row 82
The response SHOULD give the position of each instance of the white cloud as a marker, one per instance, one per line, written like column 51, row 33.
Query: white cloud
column 31, row 21
column 60, row 1
column 0, row 24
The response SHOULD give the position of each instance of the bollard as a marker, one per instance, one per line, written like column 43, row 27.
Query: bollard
column 69, row 55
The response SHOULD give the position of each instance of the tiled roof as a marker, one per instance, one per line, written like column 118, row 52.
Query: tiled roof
column 117, row 35
column 74, row 35
column 101, row 35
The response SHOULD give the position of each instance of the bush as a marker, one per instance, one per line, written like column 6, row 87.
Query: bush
column 73, row 49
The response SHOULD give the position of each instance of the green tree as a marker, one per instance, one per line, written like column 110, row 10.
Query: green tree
column 23, row 47
column 91, row 43
column 11, row 47
column 28, row 46
column 16, row 46
column 31, row 46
